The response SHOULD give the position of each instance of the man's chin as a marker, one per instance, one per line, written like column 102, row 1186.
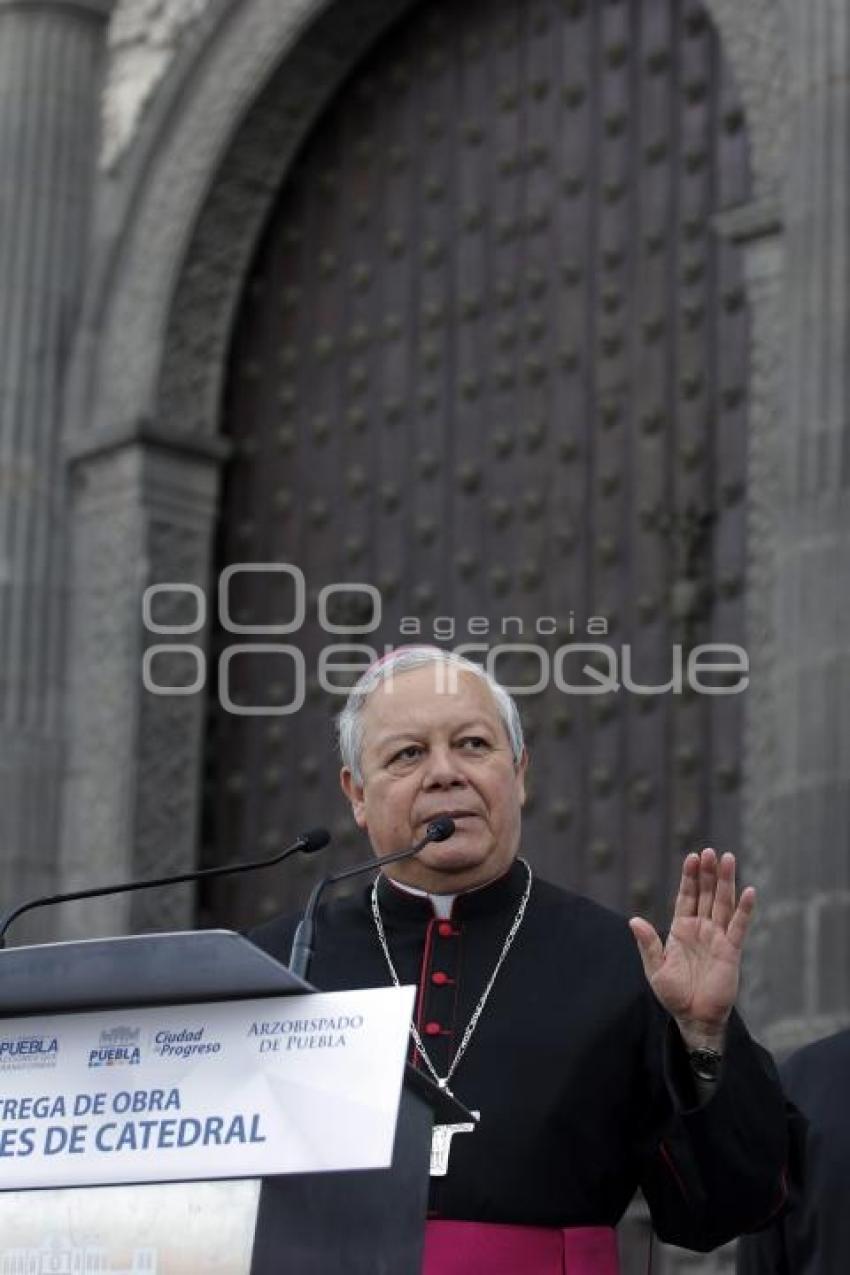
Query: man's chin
column 453, row 859
column 453, row 855
column 449, row 869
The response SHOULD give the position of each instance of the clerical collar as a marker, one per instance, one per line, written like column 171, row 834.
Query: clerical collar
column 441, row 903
column 407, row 903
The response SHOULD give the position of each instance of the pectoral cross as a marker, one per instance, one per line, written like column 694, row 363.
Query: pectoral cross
column 441, row 1144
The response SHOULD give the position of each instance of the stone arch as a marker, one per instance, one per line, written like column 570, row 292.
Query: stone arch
column 187, row 201
column 754, row 41
column 201, row 175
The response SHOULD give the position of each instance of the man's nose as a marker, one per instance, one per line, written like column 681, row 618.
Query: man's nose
column 443, row 768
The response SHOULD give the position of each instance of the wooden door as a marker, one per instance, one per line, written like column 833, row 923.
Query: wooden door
column 491, row 361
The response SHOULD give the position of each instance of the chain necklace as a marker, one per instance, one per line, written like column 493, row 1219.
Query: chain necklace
column 443, row 1081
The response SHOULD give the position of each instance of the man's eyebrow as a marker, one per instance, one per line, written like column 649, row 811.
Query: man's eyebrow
column 383, row 740
column 414, row 732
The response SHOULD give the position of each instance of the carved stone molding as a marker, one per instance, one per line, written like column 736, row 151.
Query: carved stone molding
column 757, row 226
column 98, row 9
column 192, row 194
column 755, row 42
column 143, row 514
column 144, row 37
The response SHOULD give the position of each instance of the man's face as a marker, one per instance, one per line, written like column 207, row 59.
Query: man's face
column 434, row 744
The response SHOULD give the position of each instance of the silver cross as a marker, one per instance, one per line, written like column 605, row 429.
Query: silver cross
column 441, row 1144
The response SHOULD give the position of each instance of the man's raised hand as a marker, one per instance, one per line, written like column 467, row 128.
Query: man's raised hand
column 695, row 974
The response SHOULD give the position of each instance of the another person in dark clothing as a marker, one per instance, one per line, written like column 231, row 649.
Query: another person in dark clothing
column 813, row 1237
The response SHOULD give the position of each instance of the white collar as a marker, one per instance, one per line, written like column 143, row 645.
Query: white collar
column 441, row 903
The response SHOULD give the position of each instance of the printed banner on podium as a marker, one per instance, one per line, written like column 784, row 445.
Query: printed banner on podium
column 294, row 1084
column 174, row 1228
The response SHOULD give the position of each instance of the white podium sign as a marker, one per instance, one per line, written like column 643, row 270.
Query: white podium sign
column 294, row 1084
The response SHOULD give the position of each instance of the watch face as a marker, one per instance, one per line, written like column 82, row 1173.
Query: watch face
column 705, row 1063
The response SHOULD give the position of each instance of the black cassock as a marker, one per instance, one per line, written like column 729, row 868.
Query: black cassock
column 582, row 1083
column 813, row 1238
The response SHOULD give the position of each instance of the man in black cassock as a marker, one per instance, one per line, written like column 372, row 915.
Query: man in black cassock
column 599, row 1059
column 813, row 1238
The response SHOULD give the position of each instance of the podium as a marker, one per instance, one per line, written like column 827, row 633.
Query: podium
column 342, row 1220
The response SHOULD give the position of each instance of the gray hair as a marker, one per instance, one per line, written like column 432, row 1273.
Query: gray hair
column 349, row 723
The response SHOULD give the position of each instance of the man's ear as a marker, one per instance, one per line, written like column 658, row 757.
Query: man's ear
column 354, row 792
column 521, row 768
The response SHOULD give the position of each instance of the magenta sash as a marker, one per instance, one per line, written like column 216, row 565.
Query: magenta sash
column 483, row 1248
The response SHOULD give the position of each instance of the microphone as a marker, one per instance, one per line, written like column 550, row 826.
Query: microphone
column 303, row 944
column 307, row 843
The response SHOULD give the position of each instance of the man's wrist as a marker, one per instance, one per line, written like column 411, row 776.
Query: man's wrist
column 704, row 1043
column 710, row 1036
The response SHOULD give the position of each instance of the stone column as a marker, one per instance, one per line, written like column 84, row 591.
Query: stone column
column 809, row 904
column 757, row 227
column 144, row 510
column 51, row 58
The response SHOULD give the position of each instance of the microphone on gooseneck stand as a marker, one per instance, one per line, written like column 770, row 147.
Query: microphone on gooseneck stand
column 303, row 944
column 307, row 843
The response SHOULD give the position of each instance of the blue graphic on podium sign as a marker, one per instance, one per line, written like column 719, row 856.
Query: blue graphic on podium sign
column 118, row 1047
column 22, row 1053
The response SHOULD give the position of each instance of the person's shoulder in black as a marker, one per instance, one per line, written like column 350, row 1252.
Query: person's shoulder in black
column 813, row 1237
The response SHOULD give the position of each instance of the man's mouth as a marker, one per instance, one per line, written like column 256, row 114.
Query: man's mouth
column 456, row 815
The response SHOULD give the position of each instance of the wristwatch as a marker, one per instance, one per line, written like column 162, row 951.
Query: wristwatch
column 705, row 1064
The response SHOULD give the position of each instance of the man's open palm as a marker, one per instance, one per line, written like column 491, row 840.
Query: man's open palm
column 695, row 974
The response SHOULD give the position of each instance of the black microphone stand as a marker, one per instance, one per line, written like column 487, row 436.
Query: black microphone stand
column 303, row 943
column 307, row 843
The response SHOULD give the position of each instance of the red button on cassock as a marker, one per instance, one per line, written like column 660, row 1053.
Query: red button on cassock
column 445, row 929
column 432, row 1029
column 439, row 978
